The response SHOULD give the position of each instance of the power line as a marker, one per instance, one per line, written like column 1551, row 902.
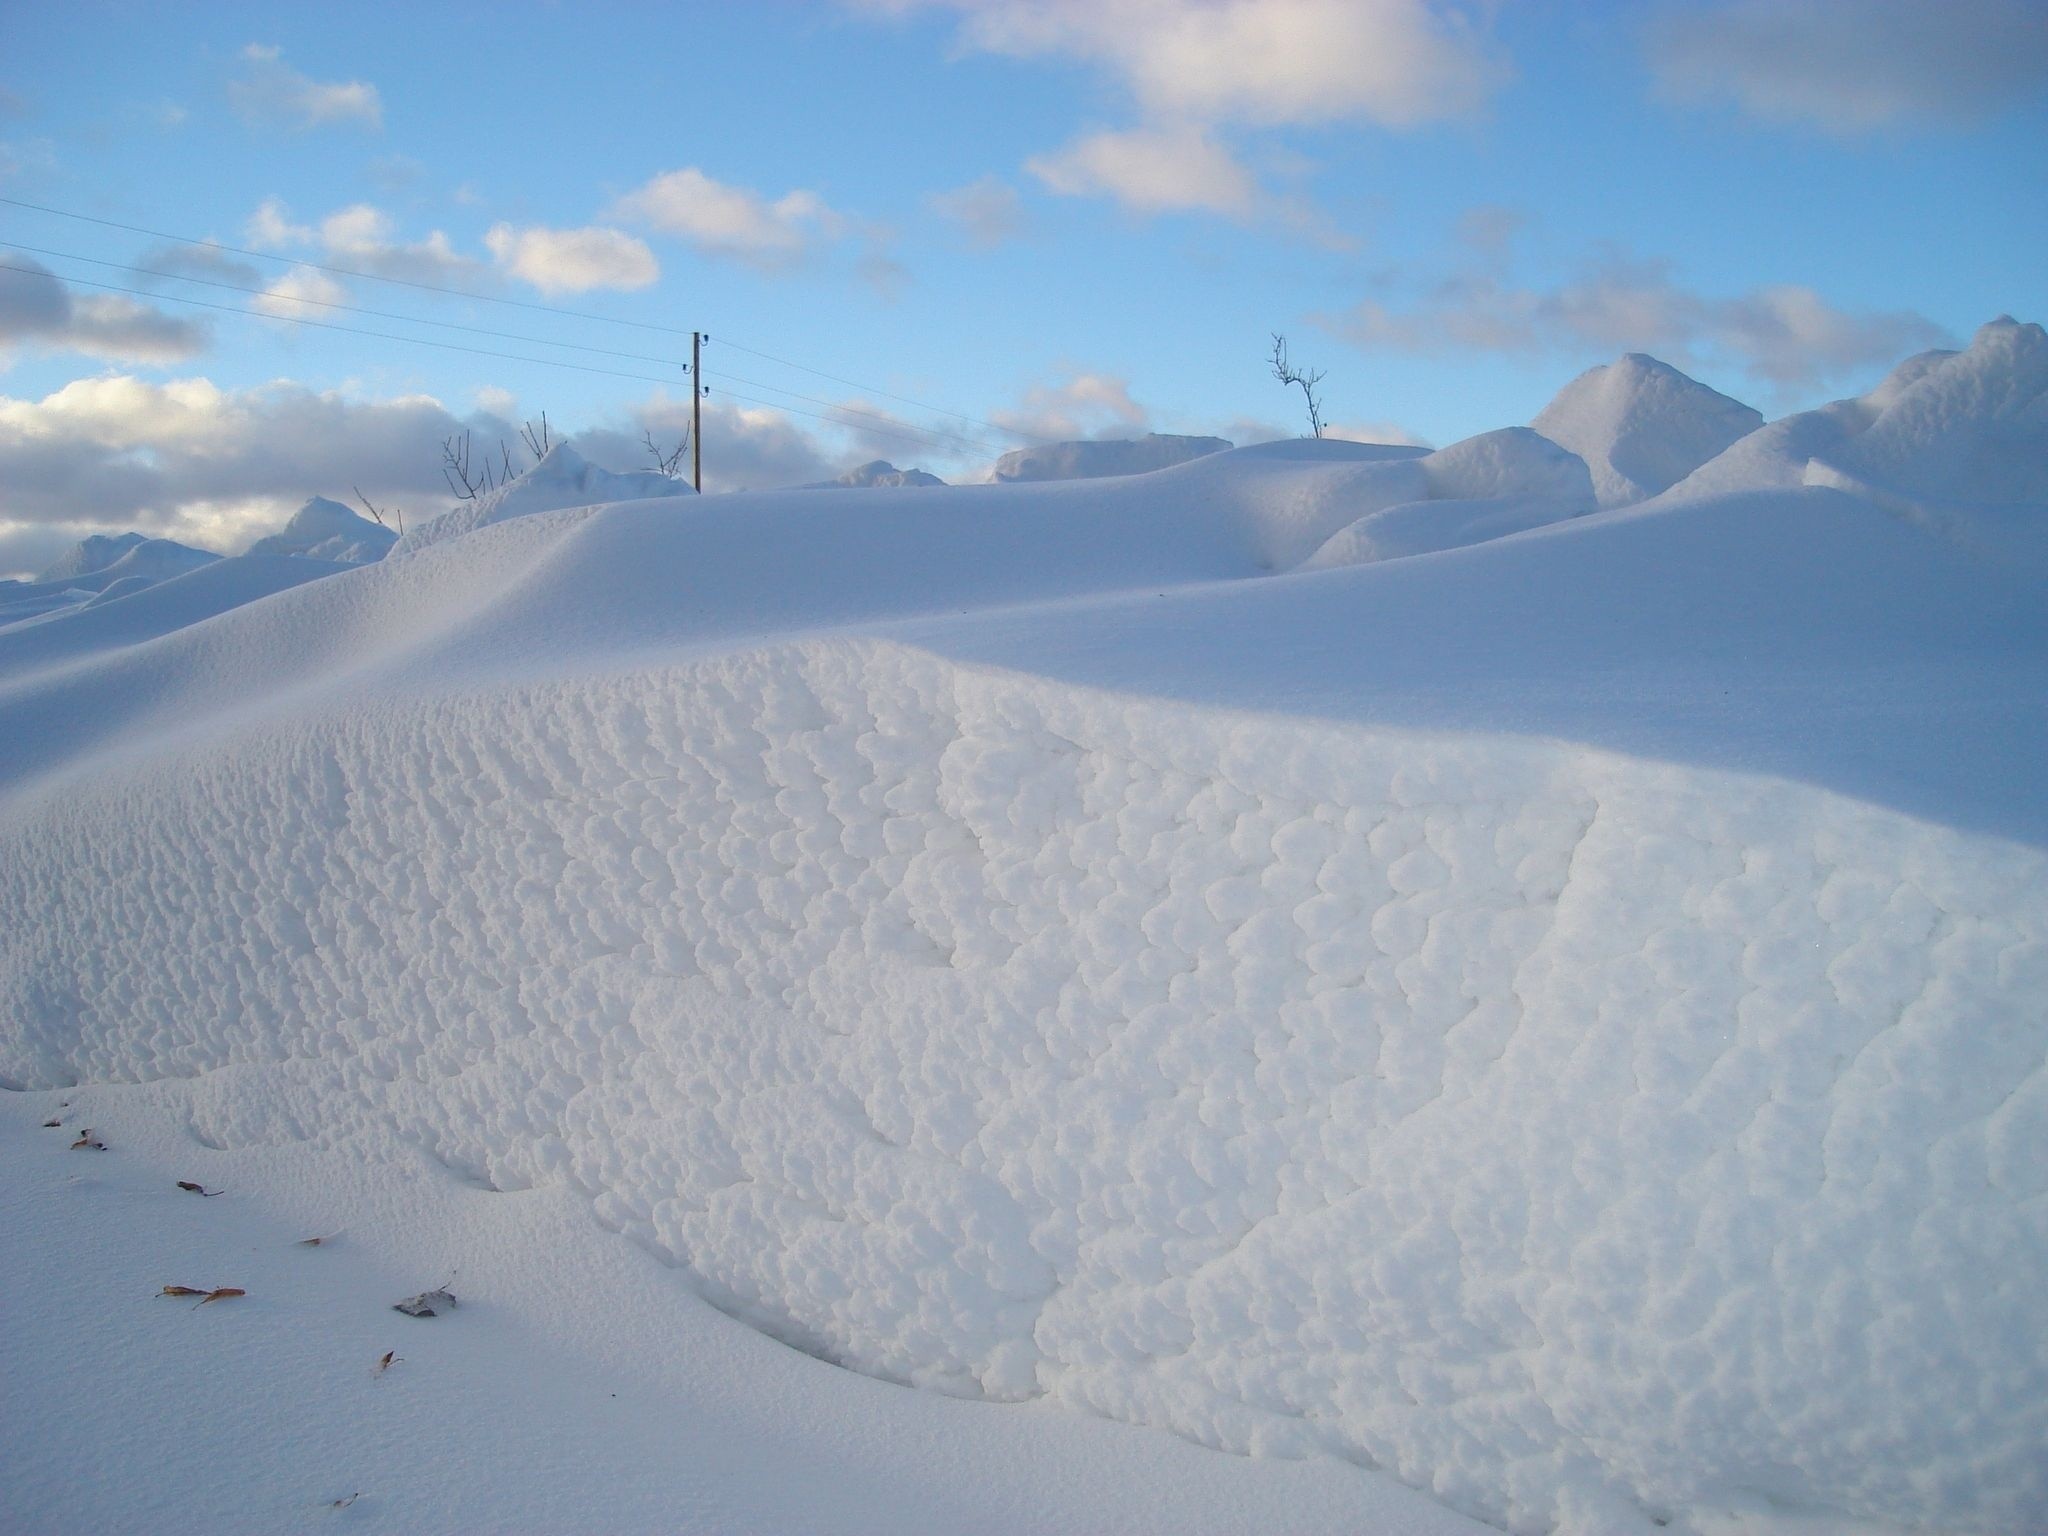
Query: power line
column 372, row 277
column 906, row 434
column 871, row 389
column 354, row 309
column 484, row 298
column 328, row 325
column 849, row 410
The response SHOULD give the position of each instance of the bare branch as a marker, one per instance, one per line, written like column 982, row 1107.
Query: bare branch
column 377, row 515
column 1288, row 374
column 537, row 442
column 670, row 464
column 455, row 470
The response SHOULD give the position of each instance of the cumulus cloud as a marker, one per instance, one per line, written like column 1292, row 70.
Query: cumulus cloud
column 987, row 212
column 1398, row 63
column 1080, row 405
column 1152, row 170
column 301, row 291
column 1785, row 334
column 37, row 308
column 1194, row 67
column 573, row 260
column 269, row 93
column 723, row 220
column 362, row 237
column 1851, row 66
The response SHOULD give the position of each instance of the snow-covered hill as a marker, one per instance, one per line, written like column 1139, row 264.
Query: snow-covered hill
column 1260, row 948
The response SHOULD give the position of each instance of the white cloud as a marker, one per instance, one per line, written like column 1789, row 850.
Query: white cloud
column 1399, row 63
column 724, row 220
column 1152, row 170
column 270, row 93
column 573, row 260
column 361, row 237
column 1851, row 66
column 1784, row 334
column 36, row 307
column 301, row 292
column 987, row 211
column 1080, row 405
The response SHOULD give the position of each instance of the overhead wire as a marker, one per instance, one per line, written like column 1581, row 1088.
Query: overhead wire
column 354, row 309
column 372, row 277
column 328, row 325
column 935, row 436
column 922, row 405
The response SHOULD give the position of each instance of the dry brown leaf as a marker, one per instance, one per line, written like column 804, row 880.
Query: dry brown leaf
column 51, row 1125
column 198, row 1189
column 86, row 1139
column 344, row 1503
column 180, row 1290
column 222, row 1293
column 391, row 1357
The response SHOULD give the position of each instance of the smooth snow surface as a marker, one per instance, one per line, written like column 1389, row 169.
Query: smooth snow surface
column 1555, row 1020
column 1097, row 458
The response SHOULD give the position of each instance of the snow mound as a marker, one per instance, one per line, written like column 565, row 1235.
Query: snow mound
column 327, row 530
column 95, row 552
column 1102, row 457
column 561, row 480
column 1956, row 442
column 877, row 472
column 1642, row 426
column 1482, row 488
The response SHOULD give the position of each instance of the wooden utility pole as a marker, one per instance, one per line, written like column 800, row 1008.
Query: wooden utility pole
column 696, row 412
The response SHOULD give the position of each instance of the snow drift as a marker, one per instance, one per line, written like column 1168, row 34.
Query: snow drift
column 1552, row 1018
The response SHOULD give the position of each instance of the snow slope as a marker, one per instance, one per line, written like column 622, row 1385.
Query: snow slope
column 1552, row 1019
column 564, row 478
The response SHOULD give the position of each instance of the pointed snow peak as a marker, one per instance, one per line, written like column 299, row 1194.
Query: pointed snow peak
column 1641, row 425
column 324, row 529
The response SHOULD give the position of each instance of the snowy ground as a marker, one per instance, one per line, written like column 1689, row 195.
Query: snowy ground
column 1510, row 969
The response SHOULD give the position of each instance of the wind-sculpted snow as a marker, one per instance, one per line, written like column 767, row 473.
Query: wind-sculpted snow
column 1586, row 1140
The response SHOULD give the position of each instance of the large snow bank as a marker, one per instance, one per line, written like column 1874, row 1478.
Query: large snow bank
column 1552, row 1019
column 327, row 530
column 1642, row 426
column 1097, row 458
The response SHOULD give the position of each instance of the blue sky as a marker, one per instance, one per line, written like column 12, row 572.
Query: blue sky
column 1055, row 217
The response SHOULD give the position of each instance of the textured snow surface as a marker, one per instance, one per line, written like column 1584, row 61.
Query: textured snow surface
column 1566, row 1136
column 1557, row 1020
